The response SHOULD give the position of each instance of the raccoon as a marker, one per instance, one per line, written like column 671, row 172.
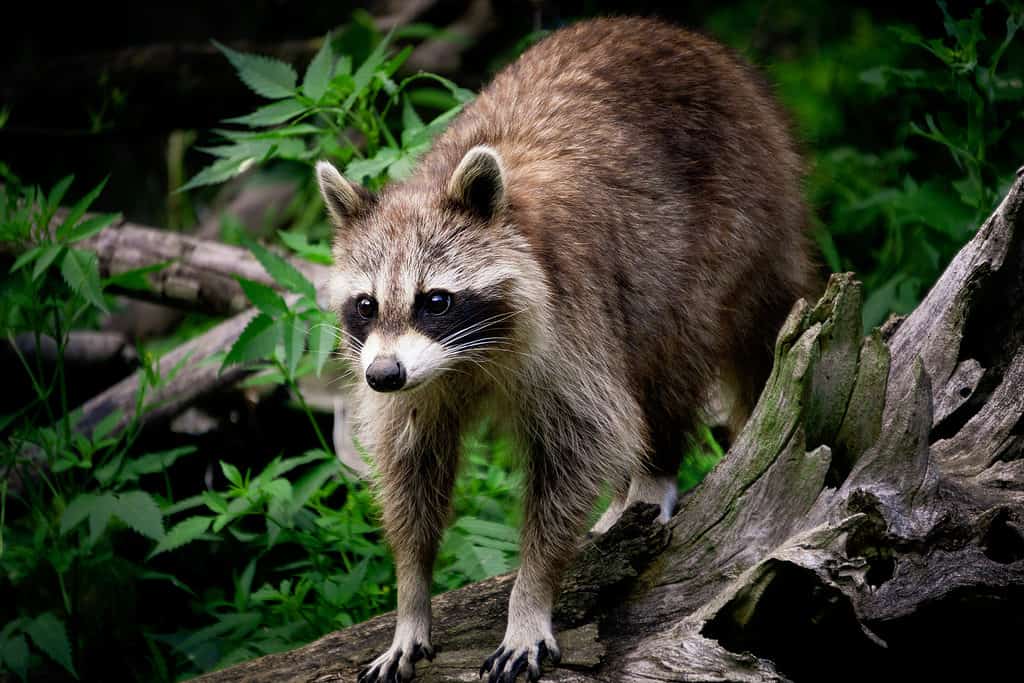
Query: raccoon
column 611, row 229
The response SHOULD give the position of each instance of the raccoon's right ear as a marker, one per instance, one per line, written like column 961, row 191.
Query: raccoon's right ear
column 343, row 198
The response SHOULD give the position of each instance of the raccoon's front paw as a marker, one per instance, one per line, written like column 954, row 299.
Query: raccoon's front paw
column 398, row 663
column 518, row 653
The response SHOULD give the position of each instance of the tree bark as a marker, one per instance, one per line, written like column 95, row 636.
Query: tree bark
column 200, row 274
column 869, row 518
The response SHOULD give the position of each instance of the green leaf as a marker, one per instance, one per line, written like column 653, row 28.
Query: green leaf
column 257, row 341
column 78, row 210
column 272, row 114
column 48, row 634
column 282, row 272
column 14, row 655
column 151, row 463
column 410, row 119
column 323, row 338
column 76, row 512
column 46, row 258
column 58, row 191
column 299, row 243
column 360, row 169
column 26, row 258
column 364, row 74
column 82, row 274
column 294, row 343
column 135, row 279
column 139, row 511
column 181, row 533
column 318, row 73
column 92, row 225
column 263, row 297
column 265, row 76
column 232, row 474
column 101, row 510
column 218, row 172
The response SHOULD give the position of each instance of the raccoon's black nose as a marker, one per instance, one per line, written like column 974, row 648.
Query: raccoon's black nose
column 385, row 374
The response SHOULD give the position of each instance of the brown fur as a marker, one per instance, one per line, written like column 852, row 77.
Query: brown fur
column 650, row 234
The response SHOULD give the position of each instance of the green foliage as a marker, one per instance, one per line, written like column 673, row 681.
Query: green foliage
column 293, row 542
column 912, row 141
column 338, row 96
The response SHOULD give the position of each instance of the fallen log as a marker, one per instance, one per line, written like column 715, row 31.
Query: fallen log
column 200, row 274
column 868, row 520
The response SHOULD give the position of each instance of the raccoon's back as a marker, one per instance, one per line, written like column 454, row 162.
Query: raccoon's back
column 656, row 180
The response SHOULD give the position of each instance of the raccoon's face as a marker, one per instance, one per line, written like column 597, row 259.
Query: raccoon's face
column 422, row 287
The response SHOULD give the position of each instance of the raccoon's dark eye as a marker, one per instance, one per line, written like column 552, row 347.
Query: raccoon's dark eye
column 437, row 303
column 366, row 307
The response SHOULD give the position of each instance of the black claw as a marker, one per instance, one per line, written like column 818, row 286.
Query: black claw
column 430, row 652
column 417, row 653
column 499, row 666
column 533, row 674
column 364, row 675
column 517, row 668
column 489, row 662
column 391, row 675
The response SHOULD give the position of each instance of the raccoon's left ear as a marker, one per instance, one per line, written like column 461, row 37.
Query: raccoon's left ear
column 478, row 182
column 343, row 198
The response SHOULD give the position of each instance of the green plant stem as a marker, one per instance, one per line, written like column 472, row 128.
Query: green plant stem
column 294, row 386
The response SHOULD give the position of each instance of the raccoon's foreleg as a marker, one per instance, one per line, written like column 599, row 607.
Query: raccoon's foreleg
column 560, row 493
column 415, row 493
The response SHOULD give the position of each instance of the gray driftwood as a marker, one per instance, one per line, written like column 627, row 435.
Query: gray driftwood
column 869, row 519
column 200, row 273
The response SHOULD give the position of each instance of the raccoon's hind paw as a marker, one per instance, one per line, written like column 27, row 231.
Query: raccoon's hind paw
column 505, row 665
column 396, row 664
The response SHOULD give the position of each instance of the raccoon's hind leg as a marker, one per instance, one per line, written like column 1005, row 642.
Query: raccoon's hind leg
column 417, row 466
column 656, row 483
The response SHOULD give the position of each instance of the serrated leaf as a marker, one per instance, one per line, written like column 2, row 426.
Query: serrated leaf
column 100, row 511
column 135, row 279
column 257, row 341
column 181, row 533
column 46, row 257
column 14, row 655
column 78, row 210
column 323, row 338
column 481, row 527
column 318, row 73
column 282, row 272
column 58, row 191
column 76, row 512
column 294, row 343
column 265, row 76
column 360, row 169
column 263, row 297
column 296, row 130
column 271, row 114
column 92, row 225
column 82, row 274
column 140, row 512
column 232, row 473
column 364, row 74
column 151, row 463
column 299, row 243
column 25, row 258
column 49, row 635
column 410, row 119
column 218, row 172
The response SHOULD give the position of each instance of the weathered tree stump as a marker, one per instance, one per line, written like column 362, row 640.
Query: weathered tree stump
column 869, row 519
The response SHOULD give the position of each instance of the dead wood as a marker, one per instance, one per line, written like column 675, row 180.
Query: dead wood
column 868, row 520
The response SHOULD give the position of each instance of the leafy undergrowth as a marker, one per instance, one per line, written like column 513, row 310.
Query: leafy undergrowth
column 125, row 558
